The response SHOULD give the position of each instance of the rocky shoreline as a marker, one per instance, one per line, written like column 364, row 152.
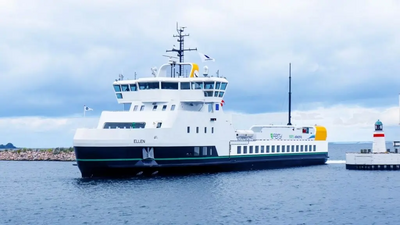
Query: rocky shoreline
column 56, row 154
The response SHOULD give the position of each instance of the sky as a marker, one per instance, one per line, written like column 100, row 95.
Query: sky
column 56, row 56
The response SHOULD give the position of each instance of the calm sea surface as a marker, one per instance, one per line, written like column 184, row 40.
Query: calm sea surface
column 54, row 193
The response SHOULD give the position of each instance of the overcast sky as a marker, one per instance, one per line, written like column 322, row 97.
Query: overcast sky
column 56, row 56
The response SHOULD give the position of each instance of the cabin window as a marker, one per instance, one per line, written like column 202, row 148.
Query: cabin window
column 309, row 148
column 204, row 150
column 267, row 148
column 172, row 107
column 210, row 151
column 185, row 86
column 169, row 85
column 223, row 86
column 124, row 125
column 273, row 148
column 278, row 148
column 164, row 107
column 297, row 148
column 188, row 129
column 196, row 151
column 287, row 148
column 216, row 93
column 262, row 149
column 256, row 149
column 244, row 149
column 217, row 85
column 208, row 93
column 301, row 148
column 135, row 108
column 197, row 129
column 197, row 85
column 117, row 88
column 306, row 148
column 221, row 94
column 119, row 95
column 133, row 87
column 283, row 148
column 125, row 87
column 149, row 85
column 159, row 124
column 212, row 130
column 154, row 107
column 314, row 148
column 292, row 148
column 205, row 130
column 142, row 108
column 208, row 85
column 239, row 149
column 251, row 149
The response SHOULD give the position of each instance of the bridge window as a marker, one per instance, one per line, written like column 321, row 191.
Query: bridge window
column 125, row 87
column 169, row 85
column 135, row 108
column 221, row 94
column 164, row 107
column 239, row 149
column 223, row 86
column 262, row 149
column 197, row 85
column 172, row 107
column 119, row 95
column 133, row 87
column 142, row 108
column 125, row 125
column 216, row 93
column 117, row 88
column 217, row 85
column 185, row 85
column 154, row 107
column 208, row 85
column 149, row 85
column 208, row 94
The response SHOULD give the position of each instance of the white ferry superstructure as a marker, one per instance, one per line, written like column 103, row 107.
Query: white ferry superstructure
column 176, row 124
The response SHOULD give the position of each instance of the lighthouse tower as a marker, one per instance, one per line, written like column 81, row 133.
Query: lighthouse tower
column 379, row 144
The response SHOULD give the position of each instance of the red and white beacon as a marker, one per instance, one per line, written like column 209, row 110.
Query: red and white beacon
column 379, row 144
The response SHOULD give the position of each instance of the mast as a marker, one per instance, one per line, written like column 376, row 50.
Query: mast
column 181, row 50
column 290, row 93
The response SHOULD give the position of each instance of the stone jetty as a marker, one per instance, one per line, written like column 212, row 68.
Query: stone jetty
column 56, row 154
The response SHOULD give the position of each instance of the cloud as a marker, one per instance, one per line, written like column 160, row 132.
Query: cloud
column 58, row 56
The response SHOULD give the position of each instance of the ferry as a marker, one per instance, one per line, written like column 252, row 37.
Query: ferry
column 174, row 122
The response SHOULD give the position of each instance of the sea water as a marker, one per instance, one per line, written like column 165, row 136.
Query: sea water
column 54, row 193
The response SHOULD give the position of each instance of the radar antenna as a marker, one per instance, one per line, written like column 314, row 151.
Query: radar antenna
column 181, row 50
column 290, row 94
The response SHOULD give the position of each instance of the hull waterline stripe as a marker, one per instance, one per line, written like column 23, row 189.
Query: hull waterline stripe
column 196, row 158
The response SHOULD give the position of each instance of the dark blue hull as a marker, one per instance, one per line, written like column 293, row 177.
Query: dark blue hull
column 128, row 161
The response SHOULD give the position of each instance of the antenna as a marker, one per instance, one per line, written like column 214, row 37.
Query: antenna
column 135, row 75
column 290, row 93
column 181, row 49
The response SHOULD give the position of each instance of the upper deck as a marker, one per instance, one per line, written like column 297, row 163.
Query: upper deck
column 164, row 86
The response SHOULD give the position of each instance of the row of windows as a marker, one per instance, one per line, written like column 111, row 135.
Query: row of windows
column 209, row 85
column 164, row 107
column 277, row 148
column 198, row 129
column 206, row 94
column 129, row 125
column 202, row 151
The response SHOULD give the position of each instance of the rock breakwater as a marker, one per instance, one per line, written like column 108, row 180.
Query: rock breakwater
column 56, row 154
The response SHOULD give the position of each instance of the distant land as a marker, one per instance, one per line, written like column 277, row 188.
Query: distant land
column 7, row 146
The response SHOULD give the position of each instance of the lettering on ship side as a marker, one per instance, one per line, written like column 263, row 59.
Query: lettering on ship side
column 276, row 136
column 139, row 141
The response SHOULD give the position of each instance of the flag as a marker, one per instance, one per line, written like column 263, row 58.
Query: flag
column 206, row 58
column 85, row 108
column 222, row 102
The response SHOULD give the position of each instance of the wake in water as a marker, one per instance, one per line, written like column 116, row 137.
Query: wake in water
column 336, row 162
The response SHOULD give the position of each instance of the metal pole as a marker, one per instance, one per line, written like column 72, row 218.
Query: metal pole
column 290, row 93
